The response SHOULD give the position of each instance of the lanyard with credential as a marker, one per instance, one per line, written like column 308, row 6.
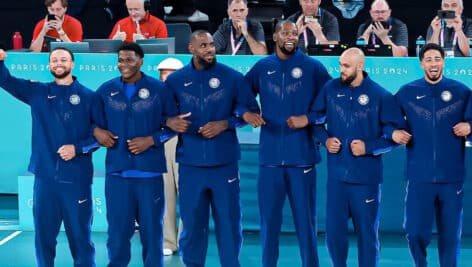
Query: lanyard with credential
column 235, row 47
column 441, row 37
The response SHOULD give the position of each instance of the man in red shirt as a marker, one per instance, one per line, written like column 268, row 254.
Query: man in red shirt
column 59, row 28
column 138, row 25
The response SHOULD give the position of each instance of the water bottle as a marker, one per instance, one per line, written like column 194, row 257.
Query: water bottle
column 17, row 40
column 360, row 41
column 420, row 42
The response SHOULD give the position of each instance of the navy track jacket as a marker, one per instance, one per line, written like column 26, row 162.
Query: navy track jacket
column 61, row 114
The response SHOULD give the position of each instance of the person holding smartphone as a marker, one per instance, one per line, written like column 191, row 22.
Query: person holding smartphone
column 315, row 25
column 56, row 26
column 382, row 28
column 451, row 32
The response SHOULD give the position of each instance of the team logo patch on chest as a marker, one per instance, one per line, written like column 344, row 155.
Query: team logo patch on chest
column 297, row 73
column 74, row 99
column 363, row 99
column 446, row 96
column 214, row 83
column 143, row 93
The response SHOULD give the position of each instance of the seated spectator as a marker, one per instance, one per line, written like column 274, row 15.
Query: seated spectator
column 315, row 25
column 63, row 27
column 384, row 29
column 239, row 35
column 138, row 25
column 451, row 34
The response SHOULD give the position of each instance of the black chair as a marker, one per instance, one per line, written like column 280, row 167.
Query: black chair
column 181, row 32
column 74, row 47
column 103, row 45
column 155, row 48
column 169, row 41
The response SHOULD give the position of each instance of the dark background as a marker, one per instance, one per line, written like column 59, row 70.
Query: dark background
column 22, row 15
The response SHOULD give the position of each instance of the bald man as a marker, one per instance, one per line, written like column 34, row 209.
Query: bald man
column 356, row 111
column 382, row 28
column 140, row 24
column 452, row 35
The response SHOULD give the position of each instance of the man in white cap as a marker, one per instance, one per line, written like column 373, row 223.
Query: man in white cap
column 171, row 178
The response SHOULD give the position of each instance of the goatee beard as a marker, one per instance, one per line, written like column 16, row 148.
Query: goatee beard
column 60, row 76
column 348, row 81
column 287, row 52
column 206, row 65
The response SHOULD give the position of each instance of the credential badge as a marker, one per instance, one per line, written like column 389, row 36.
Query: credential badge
column 297, row 73
column 74, row 99
column 363, row 99
column 143, row 93
column 214, row 83
column 446, row 96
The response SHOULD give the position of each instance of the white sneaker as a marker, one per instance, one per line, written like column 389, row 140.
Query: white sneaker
column 167, row 252
column 198, row 16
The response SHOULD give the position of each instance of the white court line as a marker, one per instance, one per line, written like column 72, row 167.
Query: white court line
column 10, row 237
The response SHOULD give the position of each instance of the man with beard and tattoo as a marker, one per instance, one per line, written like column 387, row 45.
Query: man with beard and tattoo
column 61, row 158
column 209, row 94
column 287, row 82
column 133, row 109
column 356, row 112
column 438, row 118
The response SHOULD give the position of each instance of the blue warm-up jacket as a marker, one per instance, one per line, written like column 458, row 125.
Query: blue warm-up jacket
column 361, row 112
column 287, row 88
column 435, row 154
column 218, row 93
column 142, row 115
column 61, row 114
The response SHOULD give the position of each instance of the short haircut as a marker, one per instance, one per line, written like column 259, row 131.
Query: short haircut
column 377, row 1
column 49, row 3
column 458, row 1
column 231, row 1
column 431, row 46
column 279, row 24
column 65, row 49
column 197, row 33
column 129, row 46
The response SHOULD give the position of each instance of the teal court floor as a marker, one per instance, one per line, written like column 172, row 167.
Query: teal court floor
column 17, row 250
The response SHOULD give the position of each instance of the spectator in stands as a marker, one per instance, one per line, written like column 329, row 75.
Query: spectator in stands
column 139, row 24
column 315, row 25
column 62, row 28
column 238, row 34
column 451, row 34
column 171, row 178
column 384, row 29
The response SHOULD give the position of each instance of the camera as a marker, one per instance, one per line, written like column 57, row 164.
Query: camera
column 385, row 24
column 311, row 19
column 446, row 14
column 51, row 17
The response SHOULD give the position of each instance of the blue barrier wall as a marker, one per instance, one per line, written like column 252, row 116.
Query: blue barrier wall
column 94, row 69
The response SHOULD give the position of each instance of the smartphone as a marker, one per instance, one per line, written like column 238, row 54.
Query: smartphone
column 308, row 19
column 384, row 24
column 51, row 17
column 446, row 14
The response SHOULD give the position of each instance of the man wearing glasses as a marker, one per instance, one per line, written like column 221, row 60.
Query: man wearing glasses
column 384, row 29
